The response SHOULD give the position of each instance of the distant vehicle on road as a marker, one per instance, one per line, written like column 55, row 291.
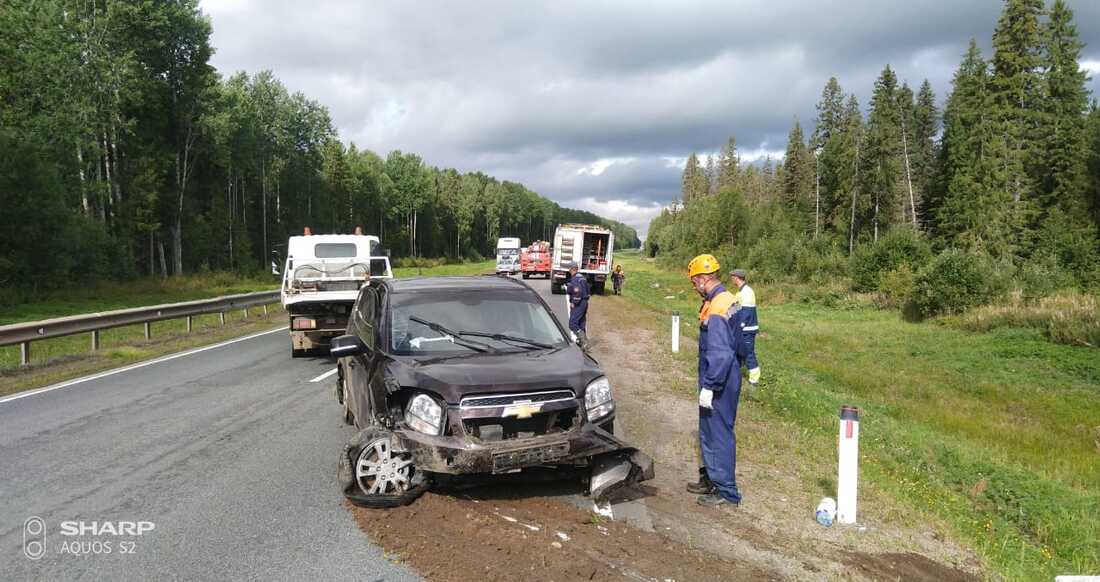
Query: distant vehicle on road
column 459, row 376
column 535, row 259
column 508, row 255
column 589, row 246
column 321, row 279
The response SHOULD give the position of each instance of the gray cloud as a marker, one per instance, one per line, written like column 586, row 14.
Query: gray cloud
column 539, row 92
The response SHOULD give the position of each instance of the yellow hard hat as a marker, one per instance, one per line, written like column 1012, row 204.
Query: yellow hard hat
column 703, row 264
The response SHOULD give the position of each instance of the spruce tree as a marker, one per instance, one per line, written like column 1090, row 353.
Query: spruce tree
column 883, row 153
column 798, row 174
column 1062, row 175
column 1092, row 161
column 830, row 113
column 1017, row 94
column 842, row 155
column 729, row 166
column 922, row 150
column 694, row 181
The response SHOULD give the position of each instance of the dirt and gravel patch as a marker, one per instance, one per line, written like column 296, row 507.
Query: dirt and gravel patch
column 774, row 527
column 460, row 538
column 513, row 529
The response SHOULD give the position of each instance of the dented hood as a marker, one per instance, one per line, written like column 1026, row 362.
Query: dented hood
column 489, row 373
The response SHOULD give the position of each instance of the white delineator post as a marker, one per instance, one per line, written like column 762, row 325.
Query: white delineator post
column 675, row 332
column 848, row 472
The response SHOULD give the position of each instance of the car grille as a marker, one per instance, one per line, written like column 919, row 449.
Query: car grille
column 496, row 400
column 506, row 429
column 503, row 417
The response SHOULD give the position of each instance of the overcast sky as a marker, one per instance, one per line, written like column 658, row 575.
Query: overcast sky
column 595, row 105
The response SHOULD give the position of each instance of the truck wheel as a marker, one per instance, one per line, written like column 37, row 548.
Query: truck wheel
column 372, row 474
column 556, row 289
column 526, row 275
column 597, row 288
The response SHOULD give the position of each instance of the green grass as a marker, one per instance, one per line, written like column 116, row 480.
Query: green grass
column 445, row 270
column 63, row 358
column 996, row 434
column 16, row 307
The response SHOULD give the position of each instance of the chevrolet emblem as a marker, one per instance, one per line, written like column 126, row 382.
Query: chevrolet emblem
column 522, row 411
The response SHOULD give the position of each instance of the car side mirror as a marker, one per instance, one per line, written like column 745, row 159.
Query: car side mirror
column 276, row 259
column 346, row 345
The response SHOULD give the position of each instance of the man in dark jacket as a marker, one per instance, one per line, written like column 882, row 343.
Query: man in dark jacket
column 579, row 292
column 719, row 387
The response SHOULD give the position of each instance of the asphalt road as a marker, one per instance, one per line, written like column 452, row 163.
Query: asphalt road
column 229, row 452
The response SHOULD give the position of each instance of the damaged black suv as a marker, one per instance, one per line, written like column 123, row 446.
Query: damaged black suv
column 452, row 376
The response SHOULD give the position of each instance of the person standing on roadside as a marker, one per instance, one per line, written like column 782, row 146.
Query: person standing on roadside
column 748, row 323
column 579, row 292
column 719, row 387
column 617, row 278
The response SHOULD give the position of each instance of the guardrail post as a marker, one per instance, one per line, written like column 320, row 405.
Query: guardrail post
column 245, row 312
column 95, row 340
column 190, row 324
column 25, row 353
column 221, row 316
column 265, row 311
column 148, row 330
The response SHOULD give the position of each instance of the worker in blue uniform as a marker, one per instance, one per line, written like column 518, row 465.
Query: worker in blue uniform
column 578, row 291
column 719, row 387
column 747, row 322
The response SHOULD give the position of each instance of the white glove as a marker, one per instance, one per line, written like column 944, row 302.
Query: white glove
column 705, row 398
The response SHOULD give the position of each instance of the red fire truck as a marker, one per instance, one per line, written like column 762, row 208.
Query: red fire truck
column 535, row 259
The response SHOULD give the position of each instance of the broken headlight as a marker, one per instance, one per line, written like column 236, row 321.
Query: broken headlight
column 424, row 415
column 598, row 400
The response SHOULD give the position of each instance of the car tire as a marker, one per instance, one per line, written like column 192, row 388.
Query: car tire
column 374, row 446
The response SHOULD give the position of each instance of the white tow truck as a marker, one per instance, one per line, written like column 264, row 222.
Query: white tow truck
column 321, row 280
column 590, row 247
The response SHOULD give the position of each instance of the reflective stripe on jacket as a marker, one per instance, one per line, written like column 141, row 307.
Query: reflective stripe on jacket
column 746, row 312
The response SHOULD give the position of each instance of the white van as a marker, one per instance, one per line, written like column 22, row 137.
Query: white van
column 508, row 255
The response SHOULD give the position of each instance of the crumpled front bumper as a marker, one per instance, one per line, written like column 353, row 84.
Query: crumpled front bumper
column 617, row 462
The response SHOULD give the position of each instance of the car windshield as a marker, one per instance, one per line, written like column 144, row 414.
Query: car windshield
column 512, row 313
column 378, row 267
column 330, row 270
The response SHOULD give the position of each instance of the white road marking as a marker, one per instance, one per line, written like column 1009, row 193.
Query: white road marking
column 323, row 376
column 43, row 390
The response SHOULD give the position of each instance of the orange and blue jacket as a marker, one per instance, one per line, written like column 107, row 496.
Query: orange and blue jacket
column 718, row 366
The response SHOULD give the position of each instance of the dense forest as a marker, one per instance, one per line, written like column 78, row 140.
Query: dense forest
column 124, row 153
column 942, row 210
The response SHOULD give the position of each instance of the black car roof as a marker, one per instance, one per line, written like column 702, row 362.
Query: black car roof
column 482, row 282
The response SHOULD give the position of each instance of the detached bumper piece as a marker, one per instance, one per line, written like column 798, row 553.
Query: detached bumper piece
column 614, row 463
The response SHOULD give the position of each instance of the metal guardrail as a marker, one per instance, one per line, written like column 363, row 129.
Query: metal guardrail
column 24, row 333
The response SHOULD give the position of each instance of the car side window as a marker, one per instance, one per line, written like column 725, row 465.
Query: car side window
column 365, row 309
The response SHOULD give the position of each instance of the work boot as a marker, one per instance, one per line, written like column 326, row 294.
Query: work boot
column 582, row 340
column 703, row 486
column 715, row 500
